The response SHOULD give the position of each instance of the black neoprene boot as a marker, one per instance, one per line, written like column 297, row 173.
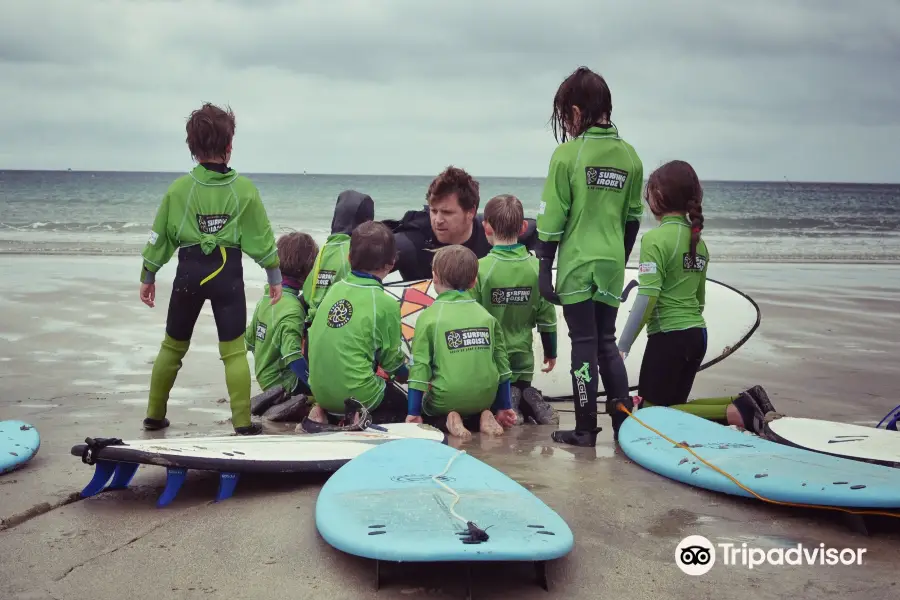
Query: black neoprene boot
column 751, row 414
column 762, row 399
column 252, row 429
column 155, row 424
column 616, row 414
column 584, row 391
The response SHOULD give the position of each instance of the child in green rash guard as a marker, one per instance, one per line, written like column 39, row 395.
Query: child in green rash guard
column 459, row 372
column 507, row 288
column 357, row 329
column 211, row 216
column 590, row 210
column 275, row 332
column 671, row 295
column 333, row 263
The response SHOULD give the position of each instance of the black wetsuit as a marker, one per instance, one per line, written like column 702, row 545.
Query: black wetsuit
column 416, row 243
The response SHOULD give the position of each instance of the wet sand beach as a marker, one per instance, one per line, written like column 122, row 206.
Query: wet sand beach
column 76, row 351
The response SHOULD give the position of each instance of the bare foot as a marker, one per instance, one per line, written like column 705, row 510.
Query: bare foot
column 489, row 424
column 733, row 416
column 317, row 414
column 456, row 428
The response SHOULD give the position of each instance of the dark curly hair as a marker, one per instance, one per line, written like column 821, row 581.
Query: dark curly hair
column 454, row 180
column 210, row 130
column 675, row 188
column 590, row 93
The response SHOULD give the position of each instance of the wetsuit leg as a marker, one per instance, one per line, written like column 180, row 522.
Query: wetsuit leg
column 581, row 322
column 670, row 364
column 609, row 362
column 185, row 304
column 393, row 407
column 225, row 290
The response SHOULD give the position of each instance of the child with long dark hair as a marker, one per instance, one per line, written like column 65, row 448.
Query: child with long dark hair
column 590, row 212
column 674, row 260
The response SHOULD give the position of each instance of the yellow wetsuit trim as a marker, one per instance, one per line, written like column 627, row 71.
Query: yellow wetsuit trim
column 217, row 271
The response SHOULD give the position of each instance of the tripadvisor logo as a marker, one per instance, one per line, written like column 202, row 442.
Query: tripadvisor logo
column 696, row 555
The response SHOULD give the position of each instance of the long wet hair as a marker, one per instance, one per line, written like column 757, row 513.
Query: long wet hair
column 675, row 188
column 586, row 90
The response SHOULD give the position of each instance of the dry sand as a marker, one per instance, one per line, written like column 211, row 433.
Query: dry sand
column 76, row 347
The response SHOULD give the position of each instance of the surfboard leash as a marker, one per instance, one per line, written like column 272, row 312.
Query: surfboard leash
column 748, row 490
column 472, row 534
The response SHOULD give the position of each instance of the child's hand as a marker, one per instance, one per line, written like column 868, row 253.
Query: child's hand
column 412, row 419
column 623, row 354
column 551, row 362
column 507, row 417
column 148, row 294
column 275, row 293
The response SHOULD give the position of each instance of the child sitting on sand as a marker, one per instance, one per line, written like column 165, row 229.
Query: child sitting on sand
column 507, row 288
column 671, row 296
column 356, row 329
column 275, row 332
column 459, row 372
column 350, row 211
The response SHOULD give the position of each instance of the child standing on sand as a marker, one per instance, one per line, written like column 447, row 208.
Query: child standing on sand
column 507, row 288
column 459, row 372
column 211, row 215
column 590, row 210
column 674, row 260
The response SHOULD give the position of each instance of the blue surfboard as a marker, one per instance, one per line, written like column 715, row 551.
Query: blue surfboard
column 386, row 506
column 19, row 442
column 774, row 471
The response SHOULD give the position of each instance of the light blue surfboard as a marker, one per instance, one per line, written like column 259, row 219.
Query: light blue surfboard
column 774, row 471
column 19, row 442
column 384, row 505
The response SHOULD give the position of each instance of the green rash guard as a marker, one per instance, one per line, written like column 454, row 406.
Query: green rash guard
column 593, row 187
column 674, row 288
column 211, row 209
column 507, row 288
column 332, row 265
column 458, row 356
column 357, row 327
column 274, row 336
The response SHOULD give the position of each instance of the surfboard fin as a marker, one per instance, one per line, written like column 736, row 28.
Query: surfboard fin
column 123, row 475
column 227, row 483
column 175, row 477
column 103, row 470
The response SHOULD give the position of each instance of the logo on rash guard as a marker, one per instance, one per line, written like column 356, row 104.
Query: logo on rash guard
column 470, row 337
column 212, row 223
column 324, row 279
column 698, row 264
column 647, row 268
column 261, row 331
column 340, row 314
column 515, row 295
column 605, row 177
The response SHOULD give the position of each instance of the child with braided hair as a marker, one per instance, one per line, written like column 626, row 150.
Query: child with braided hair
column 671, row 295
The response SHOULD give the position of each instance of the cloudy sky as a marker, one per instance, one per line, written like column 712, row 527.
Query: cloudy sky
column 769, row 89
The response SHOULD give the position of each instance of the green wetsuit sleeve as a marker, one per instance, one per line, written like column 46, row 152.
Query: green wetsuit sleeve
column 635, row 205
column 556, row 200
column 391, row 354
column 546, row 317
column 290, row 337
column 501, row 359
column 257, row 239
column 160, row 247
column 420, row 373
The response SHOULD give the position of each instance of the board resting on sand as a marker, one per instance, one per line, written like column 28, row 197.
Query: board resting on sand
column 774, row 471
column 19, row 442
column 231, row 455
column 731, row 318
column 391, row 504
column 879, row 446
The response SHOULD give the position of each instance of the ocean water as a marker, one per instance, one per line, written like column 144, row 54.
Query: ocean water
column 70, row 212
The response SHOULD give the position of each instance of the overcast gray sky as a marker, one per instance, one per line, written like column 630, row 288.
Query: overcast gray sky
column 768, row 89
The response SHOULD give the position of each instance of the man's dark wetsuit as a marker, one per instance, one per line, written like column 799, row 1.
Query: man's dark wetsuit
column 416, row 243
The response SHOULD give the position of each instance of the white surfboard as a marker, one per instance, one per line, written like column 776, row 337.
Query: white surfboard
column 731, row 318
column 858, row 442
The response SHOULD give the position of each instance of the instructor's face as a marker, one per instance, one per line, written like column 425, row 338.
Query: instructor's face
column 450, row 223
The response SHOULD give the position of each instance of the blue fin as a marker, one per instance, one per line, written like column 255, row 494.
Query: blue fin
column 227, row 483
column 102, row 472
column 123, row 475
column 175, row 476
